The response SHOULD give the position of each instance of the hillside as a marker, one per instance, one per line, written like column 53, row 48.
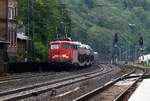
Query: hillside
column 95, row 22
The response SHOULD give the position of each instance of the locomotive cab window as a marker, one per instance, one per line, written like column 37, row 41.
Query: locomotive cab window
column 74, row 47
column 55, row 46
column 66, row 46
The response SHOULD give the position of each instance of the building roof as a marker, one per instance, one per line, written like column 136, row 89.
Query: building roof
column 22, row 36
column 4, row 42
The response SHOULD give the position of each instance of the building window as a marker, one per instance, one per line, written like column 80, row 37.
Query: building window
column 11, row 43
column 15, row 39
column 10, row 13
column 15, row 10
column 9, row 36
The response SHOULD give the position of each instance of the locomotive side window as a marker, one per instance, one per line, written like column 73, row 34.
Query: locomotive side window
column 75, row 47
column 66, row 46
column 55, row 46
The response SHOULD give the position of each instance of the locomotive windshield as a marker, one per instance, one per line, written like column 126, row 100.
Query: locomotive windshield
column 69, row 46
column 54, row 46
column 66, row 46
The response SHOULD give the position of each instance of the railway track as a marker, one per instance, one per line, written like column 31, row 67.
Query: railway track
column 28, row 91
column 20, row 77
column 14, row 83
column 110, row 90
column 126, row 92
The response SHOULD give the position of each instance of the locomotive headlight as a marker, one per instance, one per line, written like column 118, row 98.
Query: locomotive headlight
column 55, row 56
column 65, row 56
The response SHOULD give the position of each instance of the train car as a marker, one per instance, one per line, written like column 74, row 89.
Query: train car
column 144, row 59
column 70, row 53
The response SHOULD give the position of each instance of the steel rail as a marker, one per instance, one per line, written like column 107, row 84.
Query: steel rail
column 44, row 84
column 145, row 76
column 91, row 94
column 17, row 78
column 125, row 92
column 29, row 91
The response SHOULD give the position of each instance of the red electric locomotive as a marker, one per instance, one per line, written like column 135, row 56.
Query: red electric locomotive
column 70, row 52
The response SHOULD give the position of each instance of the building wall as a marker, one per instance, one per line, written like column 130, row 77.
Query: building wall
column 8, row 29
column 3, row 31
column 3, row 20
column 22, row 52
column 1, row 58
column 12, row 29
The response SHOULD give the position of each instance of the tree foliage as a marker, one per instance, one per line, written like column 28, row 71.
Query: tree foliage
column 44, row 17
column 96, row 25
column 90, row 23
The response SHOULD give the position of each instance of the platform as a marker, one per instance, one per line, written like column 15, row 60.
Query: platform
column 142, row 93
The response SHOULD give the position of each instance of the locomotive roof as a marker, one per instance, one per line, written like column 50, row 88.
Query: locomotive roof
column 72, row 42
column 69, row 42
column 55, row 42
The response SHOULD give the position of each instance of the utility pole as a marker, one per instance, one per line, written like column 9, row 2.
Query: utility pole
column 30, row 43
column 65, row 23
column 32, row 34
column 28, row 34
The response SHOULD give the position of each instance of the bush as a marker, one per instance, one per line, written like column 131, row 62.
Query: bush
column 40, row 51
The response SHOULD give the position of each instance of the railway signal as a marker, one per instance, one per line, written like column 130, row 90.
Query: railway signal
column 141, row 41
column 115, row 50
column 116, row 38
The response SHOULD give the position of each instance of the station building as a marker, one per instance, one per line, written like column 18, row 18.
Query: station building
column 12, row 30
column 17, row 48
column 10, row 42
